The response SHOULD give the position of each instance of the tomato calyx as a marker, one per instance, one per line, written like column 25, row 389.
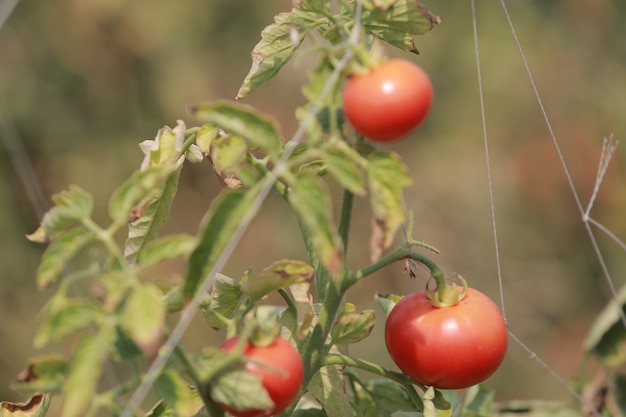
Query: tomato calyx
column 447, row 295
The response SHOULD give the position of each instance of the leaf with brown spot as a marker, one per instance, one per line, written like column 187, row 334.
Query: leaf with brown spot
column 35, row 406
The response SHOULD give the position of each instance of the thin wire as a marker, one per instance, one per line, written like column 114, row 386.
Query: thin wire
column 488, row 161
column 555, row 375
column 166, row 351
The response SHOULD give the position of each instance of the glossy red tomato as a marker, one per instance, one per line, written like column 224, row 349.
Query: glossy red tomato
column 281, row 378
column 389, row 102
column 448, row 347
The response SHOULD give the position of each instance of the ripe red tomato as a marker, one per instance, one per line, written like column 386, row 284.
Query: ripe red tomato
column 389, row 102
column 281, row 378
column 448, row 347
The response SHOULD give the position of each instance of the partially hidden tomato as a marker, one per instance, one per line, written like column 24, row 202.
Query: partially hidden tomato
column 447, row 347
column 389, row 102
column 281, row 376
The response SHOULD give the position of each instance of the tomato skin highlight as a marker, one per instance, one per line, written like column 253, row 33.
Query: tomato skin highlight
column 282, row 386
column 389, row 102
column 449, row 347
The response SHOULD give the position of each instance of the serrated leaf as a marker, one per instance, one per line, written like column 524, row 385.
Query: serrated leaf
column 85, row 369
column 398, row 24
column 141, row 186
column 228, row 151
column 327, row 386
column 60, row 252
column 281, row 274
column 224, row 299
column 70, row 207
column 241, row 390
column 387, row 177
column 218, row 226
column 178, row 393
column 144, row 315
column 150, row 219
column 276, row 47
column 259, row 130
column 312, row 204
column 64, row 321
column 36, row 406
column 389, row 397
column 387, row 302
column 42, row 374
column 607, row 334
column 166, row 248
column 353, row 327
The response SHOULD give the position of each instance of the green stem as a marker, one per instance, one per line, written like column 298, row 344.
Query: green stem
column 403, row 252
column 405, row 381
column 345, row 219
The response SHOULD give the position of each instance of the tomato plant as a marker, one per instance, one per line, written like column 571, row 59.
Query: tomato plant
column 389, row 102
column 280, row 369
column 448, row 347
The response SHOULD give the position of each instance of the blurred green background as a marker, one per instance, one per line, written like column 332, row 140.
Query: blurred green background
column 85, row 81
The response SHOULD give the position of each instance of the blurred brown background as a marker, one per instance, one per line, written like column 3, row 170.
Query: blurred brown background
column 85, row 81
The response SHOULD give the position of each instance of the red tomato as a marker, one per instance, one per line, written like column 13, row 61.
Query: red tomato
column 389, row 102
column 281, row 378
column 449, row 347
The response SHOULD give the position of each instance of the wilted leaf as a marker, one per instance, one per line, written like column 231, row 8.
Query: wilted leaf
column 36, row 406
column 387, row 177
column 43, row 374
column 218, row 226
column 276, row 47
column 178, row 393
column 280, row 274
column 259, row 130
column 310, row 200
column 353, row 327
column 60, row 252
column 70, row 207
column 205, row 136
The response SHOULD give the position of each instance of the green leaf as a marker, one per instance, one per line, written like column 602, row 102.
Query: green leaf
column 224, row 299
column 276, row 47
column 178, row 394
column 328, row 116
column 141, row 186
column 160, row 409
column 65, row 320
column 434, row 407
column 312, row 204
column 309, row 412
column 205, row 136
column 387, row 176
column 144, row 315
column 42, row 374
column 327, row 386
column 389, row 397
column 353, row 327
column 166, row 148
column 478, row 402
column 619, row 391
column 280, row 274
column 70, row 208
column 607, row 334
column 125, row 348
column 397, row 25
column 240, row 389
column 387, row 302
column 259, row 130
column 166, row 248
column 147, row 221
column 218, row 226
column 228, row 152
column 346, row 171
column 85, row 370
column 60, row 252
column 36, row 406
